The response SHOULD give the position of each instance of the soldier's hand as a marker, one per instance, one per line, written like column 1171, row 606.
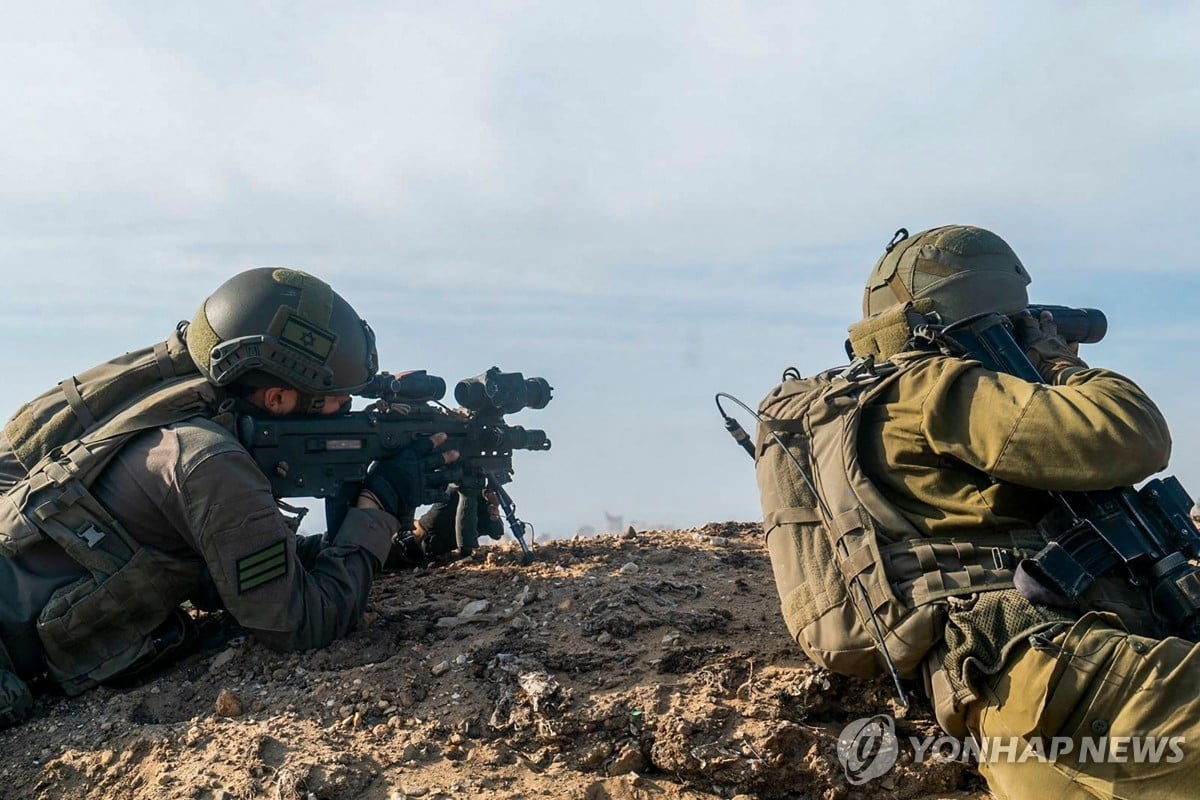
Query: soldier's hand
column 1049, row 353
column 414, row 476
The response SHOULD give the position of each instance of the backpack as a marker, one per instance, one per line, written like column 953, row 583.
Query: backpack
column 99, row 624
column 76, row 405
column 852, row 573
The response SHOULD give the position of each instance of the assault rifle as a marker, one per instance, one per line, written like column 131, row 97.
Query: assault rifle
column 328, row 456
column 1146, row 535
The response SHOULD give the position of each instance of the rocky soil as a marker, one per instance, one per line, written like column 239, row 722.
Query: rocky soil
column 653, row 664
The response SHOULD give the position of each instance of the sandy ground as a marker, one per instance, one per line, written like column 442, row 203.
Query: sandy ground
column 651, row 665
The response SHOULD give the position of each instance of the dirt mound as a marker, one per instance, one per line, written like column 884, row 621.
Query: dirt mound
column 651, row 664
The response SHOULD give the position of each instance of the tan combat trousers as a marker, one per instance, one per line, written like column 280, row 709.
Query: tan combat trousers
column 1076, row 695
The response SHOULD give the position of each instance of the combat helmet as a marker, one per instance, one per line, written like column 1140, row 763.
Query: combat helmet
column 287, row 324
column 960, row 270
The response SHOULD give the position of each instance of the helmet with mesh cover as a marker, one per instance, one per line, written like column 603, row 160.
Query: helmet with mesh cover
column 959, row 270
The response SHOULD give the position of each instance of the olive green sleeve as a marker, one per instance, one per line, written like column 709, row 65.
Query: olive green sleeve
column 1095, row 431
column 288, row 602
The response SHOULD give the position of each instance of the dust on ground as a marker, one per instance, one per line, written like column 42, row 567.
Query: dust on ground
column 650, row 664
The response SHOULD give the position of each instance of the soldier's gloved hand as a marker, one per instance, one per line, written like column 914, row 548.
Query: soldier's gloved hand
column 1049, row 353
column 415, row 476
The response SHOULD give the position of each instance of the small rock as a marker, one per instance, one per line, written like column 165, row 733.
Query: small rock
column 628, row 568
column 475, row 607
column 604, row 638
column 222, row 658
column 593, row 755
column 628, row 533
column 630, row 759
column 228, row 704
column 441, row 668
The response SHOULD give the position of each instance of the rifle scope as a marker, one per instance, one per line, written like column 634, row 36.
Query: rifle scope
column 506, row 392
column 416, row 386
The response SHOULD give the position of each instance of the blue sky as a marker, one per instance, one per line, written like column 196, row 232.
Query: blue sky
column 645, row 203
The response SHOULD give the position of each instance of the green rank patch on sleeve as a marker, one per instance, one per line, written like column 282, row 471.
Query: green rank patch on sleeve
column 262, row 566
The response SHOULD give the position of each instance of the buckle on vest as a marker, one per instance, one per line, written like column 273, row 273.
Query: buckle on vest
column 1001, row 558
column 92, row 536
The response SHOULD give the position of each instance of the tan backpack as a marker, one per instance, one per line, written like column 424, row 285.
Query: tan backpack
column 849, row 568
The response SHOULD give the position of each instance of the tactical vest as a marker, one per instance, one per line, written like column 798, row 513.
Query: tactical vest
column 100, row 624
column 845, row 560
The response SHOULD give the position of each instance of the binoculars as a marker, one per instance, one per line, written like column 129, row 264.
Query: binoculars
column 1082, row 325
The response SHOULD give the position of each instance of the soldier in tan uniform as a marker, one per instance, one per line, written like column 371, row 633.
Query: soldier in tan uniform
column 926, row 475
column 126, row 492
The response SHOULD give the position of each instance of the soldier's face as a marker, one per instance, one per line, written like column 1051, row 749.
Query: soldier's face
column 279, row 401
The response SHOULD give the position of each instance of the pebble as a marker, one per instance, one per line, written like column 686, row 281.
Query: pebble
column 441, row 668
column 475, row 607
column 229, row 704
column 629, row 533
column 630, row 759
column 221, row 659
column 604, row 638
column 628, row 568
